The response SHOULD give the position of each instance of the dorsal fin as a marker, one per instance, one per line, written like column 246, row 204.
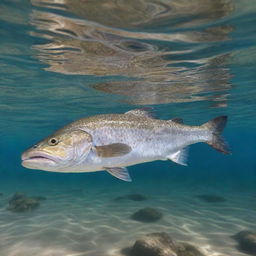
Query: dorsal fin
column 177, row 120
column 141, row 112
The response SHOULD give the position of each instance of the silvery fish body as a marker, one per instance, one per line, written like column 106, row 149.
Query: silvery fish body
column 115, row 141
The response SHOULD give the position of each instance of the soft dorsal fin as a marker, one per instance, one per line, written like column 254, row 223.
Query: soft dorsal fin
column 113, row 150
column 119, row 172
column 141, row 112
column 177, row 120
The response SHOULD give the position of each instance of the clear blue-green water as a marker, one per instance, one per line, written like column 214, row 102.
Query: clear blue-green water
column 61, row 60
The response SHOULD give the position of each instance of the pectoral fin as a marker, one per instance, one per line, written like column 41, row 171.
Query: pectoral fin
column 119, row 172
column 113, row 150
column 179, row 157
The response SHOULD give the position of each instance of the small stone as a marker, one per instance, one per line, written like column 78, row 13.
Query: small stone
column 147, row 215
column 246, row 241
column 21, row 203
column 211, row 198
column 133, row 197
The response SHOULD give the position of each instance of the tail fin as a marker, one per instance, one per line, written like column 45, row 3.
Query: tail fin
column 216, row 126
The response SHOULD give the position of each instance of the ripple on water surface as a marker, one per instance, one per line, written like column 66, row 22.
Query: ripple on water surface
column 82, row 56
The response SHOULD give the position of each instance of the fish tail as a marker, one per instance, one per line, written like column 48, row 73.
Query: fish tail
column 216, row 126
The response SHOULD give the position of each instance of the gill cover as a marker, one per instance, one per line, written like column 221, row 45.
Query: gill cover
column 81, row 142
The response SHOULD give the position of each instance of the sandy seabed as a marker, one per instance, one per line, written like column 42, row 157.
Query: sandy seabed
column 85, row 220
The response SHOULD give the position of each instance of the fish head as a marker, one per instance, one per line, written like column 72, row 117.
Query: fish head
column 60, row 150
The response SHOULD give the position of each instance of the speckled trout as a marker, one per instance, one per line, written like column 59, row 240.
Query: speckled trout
column 114, row 141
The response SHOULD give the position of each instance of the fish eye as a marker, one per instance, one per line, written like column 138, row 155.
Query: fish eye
column 53, row 142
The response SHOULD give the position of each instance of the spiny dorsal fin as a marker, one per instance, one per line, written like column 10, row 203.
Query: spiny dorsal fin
column 119, row 172
column 177, row 120
column 179, row 157
column 142, row 112
column 113, row 150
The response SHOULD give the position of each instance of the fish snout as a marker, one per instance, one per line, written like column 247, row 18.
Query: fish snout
column 37, row 160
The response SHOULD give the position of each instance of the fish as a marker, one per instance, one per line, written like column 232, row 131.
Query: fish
column 112, row 142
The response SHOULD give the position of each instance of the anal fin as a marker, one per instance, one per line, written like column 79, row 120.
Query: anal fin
column 179, row 157
column 119, row 172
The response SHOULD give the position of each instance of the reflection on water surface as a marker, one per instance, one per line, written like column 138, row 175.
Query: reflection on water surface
column 164, row 48
column 196, row 58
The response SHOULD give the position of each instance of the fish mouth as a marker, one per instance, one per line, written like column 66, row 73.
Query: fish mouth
column 37, row 158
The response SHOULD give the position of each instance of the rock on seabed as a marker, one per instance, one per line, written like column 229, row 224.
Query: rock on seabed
column 246, row 241
column 133, row 197
column 161, row 244
column 147, row 215
column 22, row 203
